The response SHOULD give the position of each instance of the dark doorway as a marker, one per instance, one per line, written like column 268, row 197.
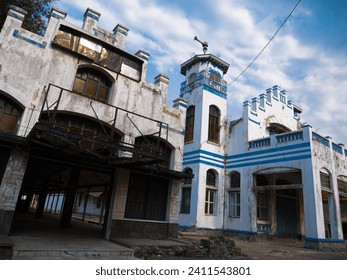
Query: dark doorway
column 147, row 197
column 287, row 223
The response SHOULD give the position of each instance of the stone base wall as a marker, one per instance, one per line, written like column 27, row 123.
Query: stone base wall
column 325, row 244
column 143, row 229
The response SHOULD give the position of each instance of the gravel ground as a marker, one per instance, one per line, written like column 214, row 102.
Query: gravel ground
column 286, row 250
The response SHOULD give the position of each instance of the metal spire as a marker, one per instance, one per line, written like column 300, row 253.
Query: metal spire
column 204, row 44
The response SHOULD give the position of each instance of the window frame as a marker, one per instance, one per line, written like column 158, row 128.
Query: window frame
column 235, row 204
column 88, row 78
column 262, row 207
column 210, row 202
column 213, row 124
column 189, row 127
column 235, row 189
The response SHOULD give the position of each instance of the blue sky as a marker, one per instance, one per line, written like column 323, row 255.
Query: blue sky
column 308, row 57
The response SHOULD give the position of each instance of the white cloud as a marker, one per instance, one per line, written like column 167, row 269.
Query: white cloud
column 315, row 80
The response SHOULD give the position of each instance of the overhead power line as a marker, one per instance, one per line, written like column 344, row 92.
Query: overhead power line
column 249, row 65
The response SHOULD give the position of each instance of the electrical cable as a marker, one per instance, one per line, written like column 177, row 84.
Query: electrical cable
column 249, row 65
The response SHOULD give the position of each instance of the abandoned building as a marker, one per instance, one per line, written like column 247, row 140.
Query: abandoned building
column 82, row 133
column 78, row 120
column 262, row 174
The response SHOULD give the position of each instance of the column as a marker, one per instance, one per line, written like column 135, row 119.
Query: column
column 65, row 220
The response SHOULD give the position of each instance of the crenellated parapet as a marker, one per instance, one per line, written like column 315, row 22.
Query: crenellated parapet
column 271, row 112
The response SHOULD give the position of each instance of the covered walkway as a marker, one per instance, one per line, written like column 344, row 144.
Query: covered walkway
column 44, row 239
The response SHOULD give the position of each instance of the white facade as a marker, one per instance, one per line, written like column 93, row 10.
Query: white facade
column 276, row 177
column 75, row 107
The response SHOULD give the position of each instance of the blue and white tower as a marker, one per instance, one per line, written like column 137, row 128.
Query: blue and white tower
column 202, row 198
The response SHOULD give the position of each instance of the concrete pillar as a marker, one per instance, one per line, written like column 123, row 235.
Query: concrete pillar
column 163, row 83
column 121, row 33
column 173, row 207
column 42, row 201
column 65, row 220
column 10, row 187
column 15, row 17
column 55, row 16
column 334, row 200
column 145, row 57
column 90, row 21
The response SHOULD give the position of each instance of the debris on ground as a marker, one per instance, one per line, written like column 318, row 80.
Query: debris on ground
column 211, row 248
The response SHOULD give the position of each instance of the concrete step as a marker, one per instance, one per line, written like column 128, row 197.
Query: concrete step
column 73, row 254
column 71, row 248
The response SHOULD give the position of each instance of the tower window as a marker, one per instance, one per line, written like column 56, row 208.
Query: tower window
column 189, row 134
column 214, row 77
column 213, row 124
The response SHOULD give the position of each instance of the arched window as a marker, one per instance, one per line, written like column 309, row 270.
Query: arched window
column 342, row 183
column 214, row 77
column 192, row 78
column 188, row 171
column 92, row 83
column 10, row 114
column 213, row 124
column 325, row 179
column 211, row 178
column 189, row 133
column 90, row 131
column 150, row 144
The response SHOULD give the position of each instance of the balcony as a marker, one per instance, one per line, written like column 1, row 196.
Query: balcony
column 203, row 78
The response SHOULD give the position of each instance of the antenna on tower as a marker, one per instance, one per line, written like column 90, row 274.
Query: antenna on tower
column 204, row 44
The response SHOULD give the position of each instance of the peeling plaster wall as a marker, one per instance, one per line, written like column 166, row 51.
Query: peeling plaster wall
column 30, row 62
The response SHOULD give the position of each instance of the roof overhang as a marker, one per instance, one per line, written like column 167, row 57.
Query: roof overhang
column 204, row 57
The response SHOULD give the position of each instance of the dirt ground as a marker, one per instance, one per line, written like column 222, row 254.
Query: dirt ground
column 286, row 250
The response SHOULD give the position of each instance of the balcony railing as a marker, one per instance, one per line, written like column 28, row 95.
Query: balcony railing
column 203, row 78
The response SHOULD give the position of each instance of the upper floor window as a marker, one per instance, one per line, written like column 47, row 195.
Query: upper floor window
column 92, row 83
column 213, row 124
column 192, row 78
column 10, row 114
column 215, row 77
column 211, row 178
column 154, row 146
column 235, row 180
column 189, row 133
column 325, row 180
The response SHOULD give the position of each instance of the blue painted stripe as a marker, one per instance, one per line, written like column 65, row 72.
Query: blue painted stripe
column 93, row 16
column 14, row 15
column 186, row 163
column 258, row 123
column 271, row 161
column 183, row 104
column 312, row 239
column 203, row 152
column 272, row 155
column 272, row 150
column 144, row 57
column 240, row 231
column 18, row 36
column 214, row 91
column 203, row 157
column 57, row 16
column 209, row 229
